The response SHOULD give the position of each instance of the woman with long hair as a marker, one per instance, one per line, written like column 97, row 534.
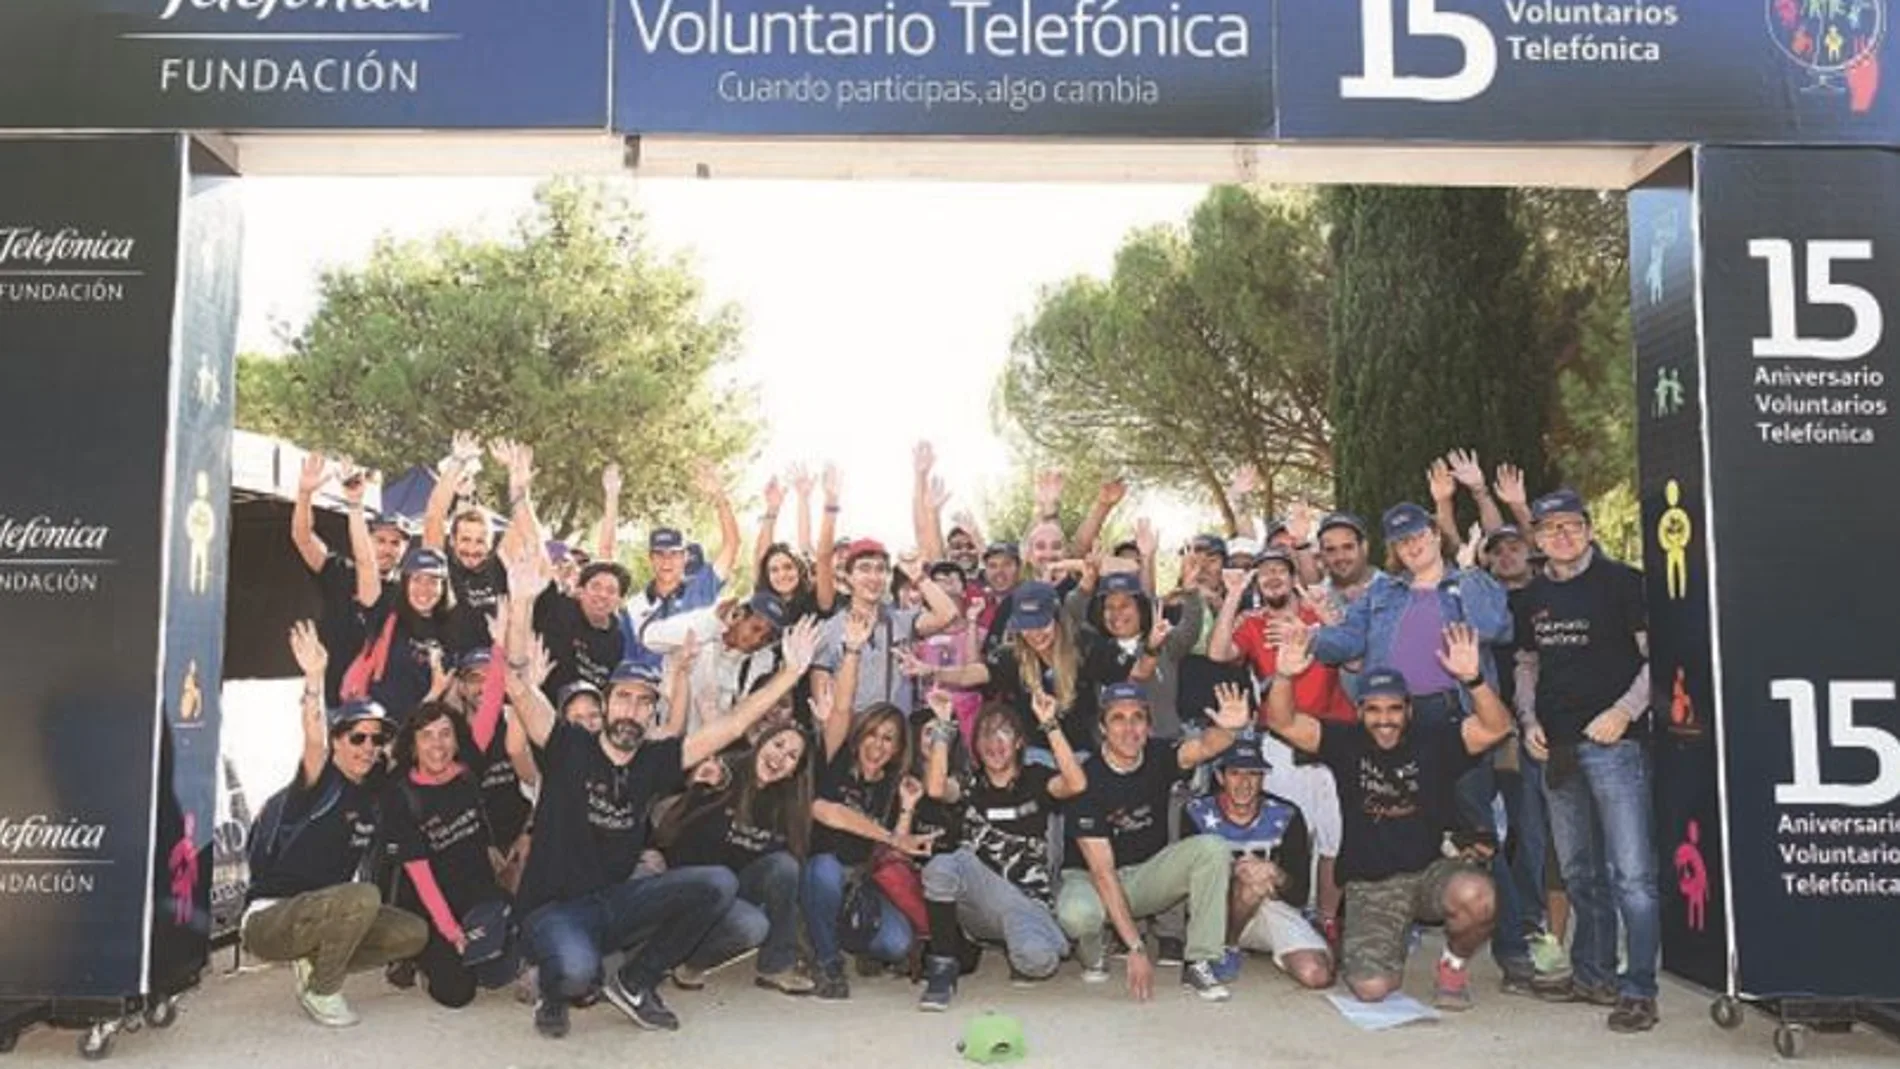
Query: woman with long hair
column 403, row 639
column 1042, row 655
column 750, row 812
column 436, row 820
column 864, row 800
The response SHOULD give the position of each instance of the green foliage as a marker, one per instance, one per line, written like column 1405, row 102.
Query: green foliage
column 1616, row 519
column 1204, row 350
column 573, row 335
column 1434, row 339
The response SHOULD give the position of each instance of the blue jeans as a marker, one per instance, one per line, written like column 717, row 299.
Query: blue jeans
column 1600, row 818
column 822, row 896
column 1475, row 790
column 764, row 915
column 1530, row 839
column 666, row 915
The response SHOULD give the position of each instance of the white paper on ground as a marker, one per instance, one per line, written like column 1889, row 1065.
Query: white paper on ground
column 1395, row 1010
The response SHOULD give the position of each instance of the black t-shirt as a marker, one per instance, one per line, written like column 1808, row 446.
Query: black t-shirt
column 1504, row 654
column 407, row 673
column 502, row 800
column 580, row 650
column 1129, row 809
column 841, row 783
column 477, row 591
column 1395, row 805
column 1199, row 677
column 443, row 825
column 339, row 627
column 1006, row 684
column 1007, row 828
column 342, row 820
column 591, row 824
column 1584, row 634
column 711, row 834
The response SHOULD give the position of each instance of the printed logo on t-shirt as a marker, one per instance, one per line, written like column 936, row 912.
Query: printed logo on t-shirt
column 1388, row 792
column 442, row 834
column 607, row 812
column 1551, row 633
column 749, row 839
column 362, row 825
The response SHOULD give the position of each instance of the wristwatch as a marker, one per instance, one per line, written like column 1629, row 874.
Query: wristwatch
column 1050, row 727
column 1468, row 684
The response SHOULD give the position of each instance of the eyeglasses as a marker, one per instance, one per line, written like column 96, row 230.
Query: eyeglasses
column 1567, row 528
column 359, row 738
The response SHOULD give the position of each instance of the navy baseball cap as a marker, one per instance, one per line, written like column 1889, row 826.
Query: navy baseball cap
column 387, row 519
column 951, row 570
column 574, row 690
column 1275, row 553
column 1120, row 583
column 350, row 714
column 1007, row 549
column 1556, row 503
column 1032, row 606
column 636, row 673
column 1125, row 691
column 1342, row 519
column 1405, row 520
column 1244, row 756
column 423, row 561
column 1210, row 544
column 1509, row 530
column 476, row 657
column 666, row 540
column 1383, row 683
column 767, row 605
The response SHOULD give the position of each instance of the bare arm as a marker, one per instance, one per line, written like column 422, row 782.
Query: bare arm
column 303, row 521
column 1220, row 647
column 1071, row 780
column 369, row 584
column 1100, row 858
column 435, row 517
column 1462, row 657
column 939, row 611
column 825, row 577
column 710, row 485
column 523, row 529
column 799, row 644
column 1294, row 656
column 1106, row 499
column 1229, row 720
column 925, row 523
column 608, row 547
column 308, row 649
column 768, row 524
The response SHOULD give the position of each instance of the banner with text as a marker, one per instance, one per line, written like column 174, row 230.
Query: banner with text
column 1776, row 71
column 1082, row 68
column 1801, row 255
column 294, row 64
column 88, row 261
column 1688, row 814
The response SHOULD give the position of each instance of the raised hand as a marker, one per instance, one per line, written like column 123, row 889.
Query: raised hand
column 923, row 458
column 1232, row 713
column 540, row 663
column 709, row 773
column 774, row 494
column 1245, row 481
column 1147, row 542
column 942, row 703
column 833, row 482
column 1439, row 477
column 800, row 644
column 1299, row 521
column 1158, row 634
column 1466, row 469
column 1234, row 580
column 308, row 649
column 464, row 448
column 1468, row 552
column 1321, row 606
column 610, row 482
column 498, row 622
column 909, row 792
column 1112, row 492
column 911, row 564
column 707, row 480
column 1043, row 704
column 439, row 678
column 802, row 481
column 1048, row 491
column 311, row 477
column 355, row 482
column 1510, row 485
column 1293, row 645
column 1461, row 655
column 939, row 493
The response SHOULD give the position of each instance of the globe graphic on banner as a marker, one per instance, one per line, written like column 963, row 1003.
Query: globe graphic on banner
column 1827, row 38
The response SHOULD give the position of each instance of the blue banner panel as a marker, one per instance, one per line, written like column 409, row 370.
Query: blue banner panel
column 1799, row 252
column 89, row 234
column 303, row 64
column 1081, row 68
column 1760, row 71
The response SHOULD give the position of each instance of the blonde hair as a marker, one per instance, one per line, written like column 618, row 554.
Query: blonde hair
column 1063, row 660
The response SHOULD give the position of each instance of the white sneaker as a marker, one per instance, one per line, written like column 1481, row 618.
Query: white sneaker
column 330, row 1011
column 1095, row 972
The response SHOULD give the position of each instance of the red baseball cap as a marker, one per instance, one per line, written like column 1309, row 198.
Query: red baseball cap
column 864, row 547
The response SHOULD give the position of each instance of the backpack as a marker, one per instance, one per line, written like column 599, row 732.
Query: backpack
column 271, row 837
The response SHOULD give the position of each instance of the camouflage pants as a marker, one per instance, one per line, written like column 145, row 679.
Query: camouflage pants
column 1380, row 913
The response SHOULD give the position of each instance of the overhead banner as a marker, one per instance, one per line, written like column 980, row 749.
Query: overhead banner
column 303, row 64
column 88, row 264
column 1757, row 71
column 1079, row 68
column 1688, row 813
column 1801, row 254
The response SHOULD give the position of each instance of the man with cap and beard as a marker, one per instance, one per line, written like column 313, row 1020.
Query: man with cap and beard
column 577, row 900
column 1395, row 775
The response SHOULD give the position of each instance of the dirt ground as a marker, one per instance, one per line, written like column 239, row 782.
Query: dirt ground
column 249, row 1020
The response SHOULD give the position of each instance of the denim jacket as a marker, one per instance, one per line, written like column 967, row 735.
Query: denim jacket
column 1470, row 596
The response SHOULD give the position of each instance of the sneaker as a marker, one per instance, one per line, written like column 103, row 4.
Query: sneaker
column 787, row 982
column 1452, row 989
column 1548, row 956
column 1633, row 1015
column 1199, row 977
column 869, row 967
column 1520, row 977
column 643, row 1007
column 1227, row 969
column 401, row 974
column 687, row 978
column 1018, row 978
column 1170, row 951
column 1095, row 972
column 1569, row 990
column 329, row 1011
column 940, row 984
column 550, row 1018
column 831, row 985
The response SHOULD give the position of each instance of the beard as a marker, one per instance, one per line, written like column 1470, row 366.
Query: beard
column 623, row 735
column 1277, row 603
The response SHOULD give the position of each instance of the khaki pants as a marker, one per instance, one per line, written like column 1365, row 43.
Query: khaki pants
column 341, row 929
column 1194, row 870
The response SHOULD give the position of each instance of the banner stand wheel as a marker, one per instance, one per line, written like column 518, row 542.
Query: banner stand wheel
column 1726, row 1011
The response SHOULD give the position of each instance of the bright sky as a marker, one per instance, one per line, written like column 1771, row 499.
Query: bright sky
column 904, row 294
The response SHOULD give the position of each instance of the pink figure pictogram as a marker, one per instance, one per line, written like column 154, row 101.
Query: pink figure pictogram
column 184, row 869
column 1692, row 877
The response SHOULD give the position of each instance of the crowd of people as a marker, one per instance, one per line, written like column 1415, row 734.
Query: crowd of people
column 521, row 770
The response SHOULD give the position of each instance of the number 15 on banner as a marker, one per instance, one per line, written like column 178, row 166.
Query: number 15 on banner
column 1807, row 786
column 1381, row 79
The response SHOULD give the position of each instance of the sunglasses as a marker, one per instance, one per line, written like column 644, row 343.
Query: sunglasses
column 359, row 738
